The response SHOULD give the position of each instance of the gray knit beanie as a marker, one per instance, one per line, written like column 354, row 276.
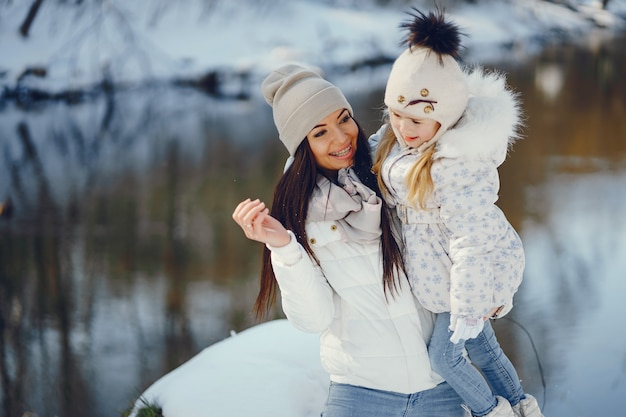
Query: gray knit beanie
column 300, row 98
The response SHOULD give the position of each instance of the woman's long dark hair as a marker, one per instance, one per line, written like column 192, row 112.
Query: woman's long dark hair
column 290, row 206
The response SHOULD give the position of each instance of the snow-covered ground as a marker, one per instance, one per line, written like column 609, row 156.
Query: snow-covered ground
column 268, row 370
column 74, row 46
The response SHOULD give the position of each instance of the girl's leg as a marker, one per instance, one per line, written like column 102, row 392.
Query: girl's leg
column 485, row 352
column 448, row 361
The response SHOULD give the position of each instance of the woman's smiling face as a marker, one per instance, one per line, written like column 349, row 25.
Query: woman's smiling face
column 333, row 140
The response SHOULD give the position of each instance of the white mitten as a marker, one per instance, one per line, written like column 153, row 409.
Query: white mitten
column 465, row 328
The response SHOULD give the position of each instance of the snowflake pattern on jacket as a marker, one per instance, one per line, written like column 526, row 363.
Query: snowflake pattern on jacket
column 461, row 253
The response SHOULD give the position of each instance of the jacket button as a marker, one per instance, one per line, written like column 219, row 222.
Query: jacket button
column 333, row 227
column 312, row 241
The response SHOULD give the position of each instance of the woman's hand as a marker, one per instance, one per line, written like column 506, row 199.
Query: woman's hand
column 257, row 224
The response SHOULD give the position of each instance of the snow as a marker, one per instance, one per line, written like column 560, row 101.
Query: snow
column 270, row 369
column 79, row 45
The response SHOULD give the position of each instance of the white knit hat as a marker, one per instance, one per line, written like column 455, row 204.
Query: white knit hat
column 426, row 81
column 300, row 98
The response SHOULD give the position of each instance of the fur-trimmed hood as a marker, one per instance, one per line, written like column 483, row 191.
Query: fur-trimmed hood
column 490, row 124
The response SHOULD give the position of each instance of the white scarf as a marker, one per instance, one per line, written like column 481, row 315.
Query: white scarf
column 354, row 206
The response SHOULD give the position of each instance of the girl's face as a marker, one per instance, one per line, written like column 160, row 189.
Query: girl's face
column 333, row 140
column 414, row 131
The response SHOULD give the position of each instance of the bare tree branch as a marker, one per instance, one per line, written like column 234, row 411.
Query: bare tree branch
column 30, row 17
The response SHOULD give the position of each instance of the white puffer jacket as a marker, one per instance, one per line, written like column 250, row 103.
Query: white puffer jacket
column 461, row 253
column 365, row 340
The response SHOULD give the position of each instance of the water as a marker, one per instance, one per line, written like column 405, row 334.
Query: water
column 121, row 261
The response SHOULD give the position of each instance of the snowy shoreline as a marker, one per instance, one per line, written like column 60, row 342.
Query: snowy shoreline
column 222, row 52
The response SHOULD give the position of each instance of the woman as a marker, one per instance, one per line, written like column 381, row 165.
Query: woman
column 331, row 252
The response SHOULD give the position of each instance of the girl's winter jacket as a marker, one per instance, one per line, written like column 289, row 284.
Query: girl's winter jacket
column 461, row 253
column 366, row 339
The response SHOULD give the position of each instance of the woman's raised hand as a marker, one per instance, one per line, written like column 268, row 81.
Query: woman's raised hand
column 253, row 217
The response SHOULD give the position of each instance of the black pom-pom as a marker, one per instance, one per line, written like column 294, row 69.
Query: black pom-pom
column 432, row 32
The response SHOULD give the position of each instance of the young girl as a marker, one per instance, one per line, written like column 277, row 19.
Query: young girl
column 331, row 253
column 437, row 162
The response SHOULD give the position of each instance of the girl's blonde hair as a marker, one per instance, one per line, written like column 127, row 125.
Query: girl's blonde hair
column 418, row 179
